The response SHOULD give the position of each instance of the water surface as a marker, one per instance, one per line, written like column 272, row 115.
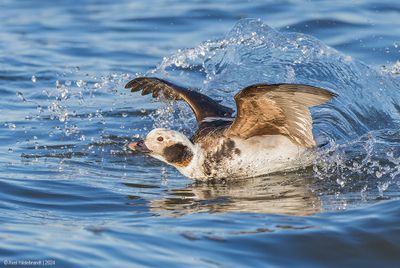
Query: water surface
column 70, row 192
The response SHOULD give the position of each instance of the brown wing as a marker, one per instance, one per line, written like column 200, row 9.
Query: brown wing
column 280, row 109
column 201, row 105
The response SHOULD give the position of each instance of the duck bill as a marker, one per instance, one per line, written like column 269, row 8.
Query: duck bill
column 139, row 146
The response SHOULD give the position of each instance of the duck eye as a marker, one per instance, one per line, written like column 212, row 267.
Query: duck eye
column 160, row 138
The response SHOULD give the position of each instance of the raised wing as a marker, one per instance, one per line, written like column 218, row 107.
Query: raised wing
column 202, row 105
column 280, row 109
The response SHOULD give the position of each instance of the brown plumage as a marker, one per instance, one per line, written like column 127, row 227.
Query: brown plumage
column 202, row 105
column 278, row 109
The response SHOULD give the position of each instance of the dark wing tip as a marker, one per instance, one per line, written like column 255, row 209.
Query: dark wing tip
column 332, row 94
column 154, row 85
column 134, row 84
column 129, row 84
column 141, row 83
column 202, row 105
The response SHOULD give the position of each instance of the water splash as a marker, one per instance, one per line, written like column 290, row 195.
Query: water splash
column 359, row 125
column 371, row 160
column 252, row 53
column 393, row 70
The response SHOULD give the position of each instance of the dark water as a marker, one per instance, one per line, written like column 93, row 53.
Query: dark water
column 70, row 193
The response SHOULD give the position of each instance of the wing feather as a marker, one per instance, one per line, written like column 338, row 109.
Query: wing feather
column 280, row 109
column 201, row 105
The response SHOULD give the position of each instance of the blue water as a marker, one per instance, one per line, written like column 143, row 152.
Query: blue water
column 70, row 192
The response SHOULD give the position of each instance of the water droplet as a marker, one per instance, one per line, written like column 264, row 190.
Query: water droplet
column 124, row 114
column 364, row 191
column 97, row 85
column 10, row 150
column 63, row 117
column 33, row 78
column 46, row 92
column 382, row 187
column 21, row 96
column 80, row 83
column 340, row 182
column 39, row 109
column 11, row 126
column 68, row 83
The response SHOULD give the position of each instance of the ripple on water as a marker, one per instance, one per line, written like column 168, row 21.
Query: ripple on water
column 70, row 191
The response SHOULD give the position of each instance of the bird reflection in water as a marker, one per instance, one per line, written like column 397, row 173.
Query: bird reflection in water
column 285, row 193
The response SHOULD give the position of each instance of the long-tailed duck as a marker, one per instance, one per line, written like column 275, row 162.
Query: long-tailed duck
column 272, row 130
